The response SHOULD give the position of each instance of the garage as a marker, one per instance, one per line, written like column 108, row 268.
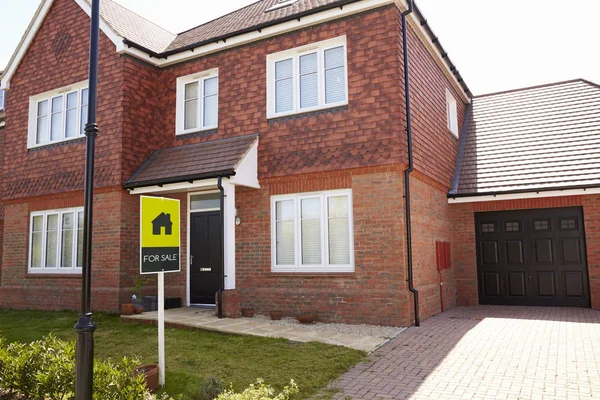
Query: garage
column 532, row 257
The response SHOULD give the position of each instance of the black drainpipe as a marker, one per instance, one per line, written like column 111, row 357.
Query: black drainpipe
column 222, row 204
column 407, row 172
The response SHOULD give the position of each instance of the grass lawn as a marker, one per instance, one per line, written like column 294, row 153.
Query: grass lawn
column 191, row 356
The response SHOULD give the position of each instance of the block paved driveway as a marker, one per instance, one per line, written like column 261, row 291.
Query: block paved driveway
column 486, row 352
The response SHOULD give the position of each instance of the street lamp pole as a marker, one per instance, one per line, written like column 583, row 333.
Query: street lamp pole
column 85, row 327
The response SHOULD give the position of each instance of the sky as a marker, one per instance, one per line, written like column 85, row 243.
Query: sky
column 496, row 45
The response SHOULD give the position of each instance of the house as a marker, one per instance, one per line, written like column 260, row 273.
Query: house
column 282, row 129
column 160, row 222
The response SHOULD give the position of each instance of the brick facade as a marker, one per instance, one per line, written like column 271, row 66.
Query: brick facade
column 361, row 146
column 464, row 249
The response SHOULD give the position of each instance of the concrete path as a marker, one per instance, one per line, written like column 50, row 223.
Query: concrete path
column 197, row 318
column 486, row 352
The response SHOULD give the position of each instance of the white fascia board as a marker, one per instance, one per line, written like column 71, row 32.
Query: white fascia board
column 412, row 19
column 32, row 30
column 175, row 187
column 254, row 36
column 522, row 196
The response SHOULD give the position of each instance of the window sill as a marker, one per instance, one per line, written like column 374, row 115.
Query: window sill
column 308, row 112
column 280, row 274
column 46, row 275
column 53, row 145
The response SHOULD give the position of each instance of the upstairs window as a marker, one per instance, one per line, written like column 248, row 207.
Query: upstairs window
column 56, row 241
column 312, row 232
column 58, row 116
column 197, row 102
column 307, row 78
column 2, row 98
column 451, row 113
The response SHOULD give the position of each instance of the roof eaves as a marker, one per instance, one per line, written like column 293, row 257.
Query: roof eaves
column 520, row 191
column 178, row 179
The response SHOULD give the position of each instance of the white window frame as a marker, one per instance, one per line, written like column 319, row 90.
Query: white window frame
column 199, row 77
column 2, row 100
column 294, row 54
column 48, row 96
column 324, row 267
column 451, row 113
column 75, row 269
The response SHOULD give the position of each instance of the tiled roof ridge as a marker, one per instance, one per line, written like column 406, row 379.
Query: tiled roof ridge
column 544, row 85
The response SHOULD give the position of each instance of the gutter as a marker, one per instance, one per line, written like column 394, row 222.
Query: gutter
column 257, row 27
column 186, row 178
column 407, row 172
column 521, row 191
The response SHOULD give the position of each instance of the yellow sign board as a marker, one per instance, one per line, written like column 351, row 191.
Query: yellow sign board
column 160, row 237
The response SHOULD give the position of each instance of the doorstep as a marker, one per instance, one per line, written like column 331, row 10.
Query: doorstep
column 203, row 319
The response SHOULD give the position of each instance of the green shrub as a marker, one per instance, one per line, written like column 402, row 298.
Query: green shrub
column 260, row 391
column 208, row 390
column 45, row 369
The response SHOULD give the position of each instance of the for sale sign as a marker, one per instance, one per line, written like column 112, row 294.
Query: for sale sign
column 159, row 235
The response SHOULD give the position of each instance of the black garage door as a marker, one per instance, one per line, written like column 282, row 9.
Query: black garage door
column 532, row 257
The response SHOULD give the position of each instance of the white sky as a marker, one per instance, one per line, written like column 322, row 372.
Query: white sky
column 495, row 44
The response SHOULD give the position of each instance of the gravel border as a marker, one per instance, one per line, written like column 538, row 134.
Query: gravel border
column 388, row 332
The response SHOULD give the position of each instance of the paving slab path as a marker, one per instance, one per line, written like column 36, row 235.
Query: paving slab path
column 485, row 352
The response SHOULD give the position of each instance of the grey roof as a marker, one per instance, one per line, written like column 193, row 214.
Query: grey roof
column 539, row 138
column 192, row 162
column 134, row 27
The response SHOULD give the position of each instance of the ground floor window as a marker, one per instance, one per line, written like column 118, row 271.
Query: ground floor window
column 312, row 232
column 56, row 241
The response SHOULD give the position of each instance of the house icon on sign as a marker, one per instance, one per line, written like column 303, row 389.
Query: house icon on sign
column 162, row 221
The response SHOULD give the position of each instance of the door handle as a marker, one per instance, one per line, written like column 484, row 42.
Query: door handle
column 530, row 278
column 191, row 259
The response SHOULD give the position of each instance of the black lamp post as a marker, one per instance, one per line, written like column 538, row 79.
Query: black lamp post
column 85, row 327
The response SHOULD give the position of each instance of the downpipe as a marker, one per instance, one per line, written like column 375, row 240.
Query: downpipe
column 407, row 172
column 222, row 216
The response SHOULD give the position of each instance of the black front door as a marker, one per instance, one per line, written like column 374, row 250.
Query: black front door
column 532, row 257
column 205, row 256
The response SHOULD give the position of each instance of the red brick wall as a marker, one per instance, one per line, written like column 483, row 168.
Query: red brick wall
column 60, row 168
column 21, row 290
column 376, row 293
column 431, row 222
column 464, row 248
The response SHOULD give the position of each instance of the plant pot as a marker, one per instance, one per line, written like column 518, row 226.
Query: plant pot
column 138, row 309
column 151, row 373
column 248, row 312
column 275, row 315
column 127, row 309
column 306, row 318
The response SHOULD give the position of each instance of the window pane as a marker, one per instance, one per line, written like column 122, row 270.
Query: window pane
column 334, row 57
column 339, row 230
column 79, row 240
column 42, row 122
column 210, row 110
column 72, row 100
column 67, row 241
column 285, row 236
column 56, row 124
column 42, row 108
column 311, row 231
column 191, row 114
column 211, row 86
column 84, row 110
column 71, row 123
column 335, row 85
column 284, row 69
column 205, row 201
column 191, row 91
column 37, row 238
column 284, row 95
column 309, row 90
column 84, row 97
column 308, row 64
column 51, row 240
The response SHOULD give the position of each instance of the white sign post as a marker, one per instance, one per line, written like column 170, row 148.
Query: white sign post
column 160, row 253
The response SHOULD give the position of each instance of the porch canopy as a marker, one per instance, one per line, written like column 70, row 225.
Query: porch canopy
column 194, row 166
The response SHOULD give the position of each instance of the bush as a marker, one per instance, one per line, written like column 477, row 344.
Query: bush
column 209, row 390
column 45, row 369
column 260, row 391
